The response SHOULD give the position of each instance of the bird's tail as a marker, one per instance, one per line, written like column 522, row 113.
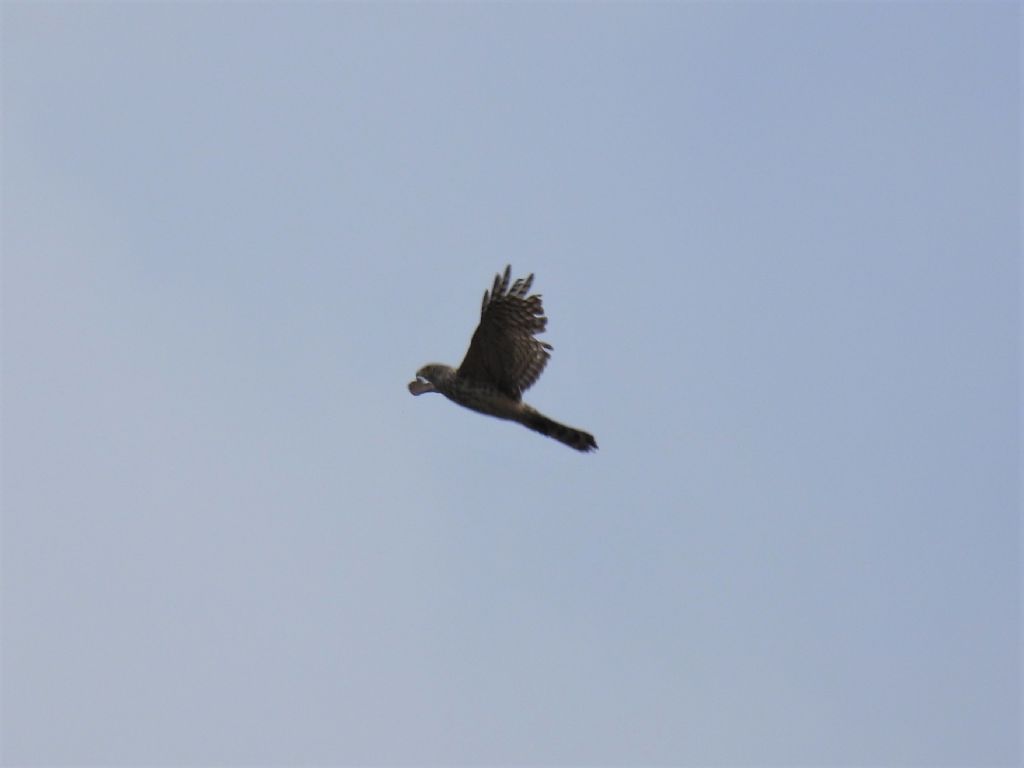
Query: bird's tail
column 574, row 438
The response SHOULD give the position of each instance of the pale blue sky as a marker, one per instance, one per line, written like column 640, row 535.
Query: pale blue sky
column 779, row 245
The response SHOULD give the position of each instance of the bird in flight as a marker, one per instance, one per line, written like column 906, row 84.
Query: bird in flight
column 503, row 361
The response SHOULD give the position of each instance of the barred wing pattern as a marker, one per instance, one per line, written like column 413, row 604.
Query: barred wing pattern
column 504, row 351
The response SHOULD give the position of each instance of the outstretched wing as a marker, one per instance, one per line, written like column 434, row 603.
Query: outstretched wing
column 503, row 351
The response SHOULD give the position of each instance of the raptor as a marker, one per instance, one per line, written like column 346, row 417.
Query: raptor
column 504, row 359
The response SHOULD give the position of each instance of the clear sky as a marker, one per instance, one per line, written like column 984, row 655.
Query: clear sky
column 779, row 248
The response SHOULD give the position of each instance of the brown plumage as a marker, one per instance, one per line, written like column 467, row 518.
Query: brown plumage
column 504, row 359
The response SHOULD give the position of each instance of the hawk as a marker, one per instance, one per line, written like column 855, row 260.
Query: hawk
column 503, row 361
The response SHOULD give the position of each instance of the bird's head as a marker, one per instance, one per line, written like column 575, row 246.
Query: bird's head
column 429, row 377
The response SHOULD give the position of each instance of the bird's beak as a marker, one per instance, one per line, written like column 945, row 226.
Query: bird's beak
column 420, row 385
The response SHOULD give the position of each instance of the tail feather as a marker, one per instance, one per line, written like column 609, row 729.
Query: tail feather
column 574, row 438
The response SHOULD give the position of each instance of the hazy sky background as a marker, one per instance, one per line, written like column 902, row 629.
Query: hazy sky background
column 779, row 248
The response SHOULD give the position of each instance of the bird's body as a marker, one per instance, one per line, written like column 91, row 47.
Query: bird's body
column 504, row 359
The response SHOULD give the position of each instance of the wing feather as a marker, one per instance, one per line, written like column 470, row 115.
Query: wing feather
column 504, row 351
